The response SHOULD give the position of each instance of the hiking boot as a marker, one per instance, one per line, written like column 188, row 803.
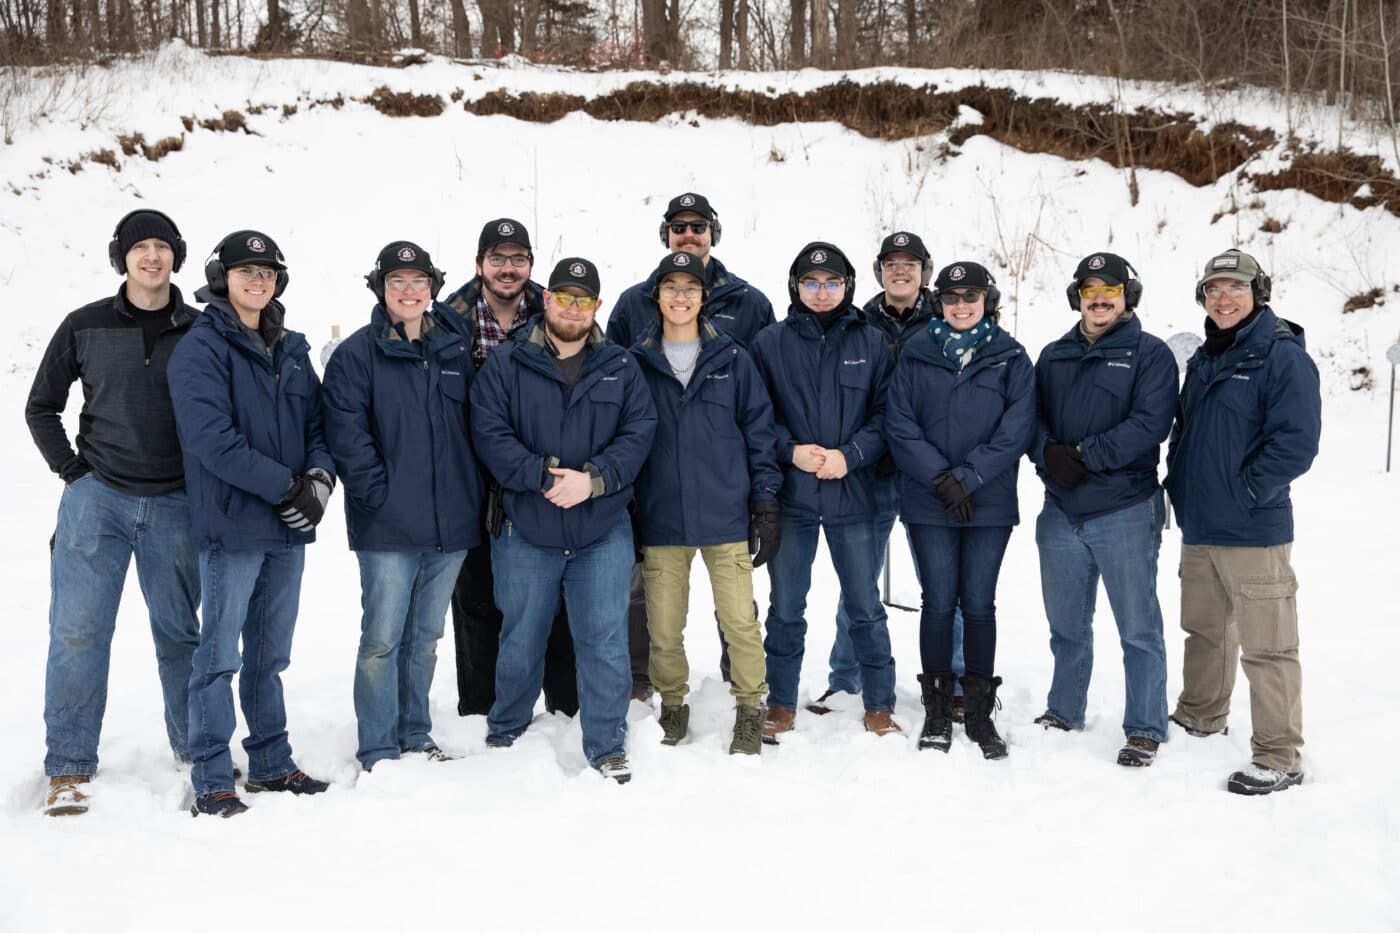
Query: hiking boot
column 431, row 751
column 64, row 797
column 1138, row 752
column 1257, row 780
column 1049, row 720
column 881, row 722
column 959, row 708
column 617, row 769
column 1199, row 733
column 937, row 732
column 298, row 782
column 830, row 702
column 777, row 721
column 748, row 731
column 224, row 803
column 981, row 693
column 675, row 720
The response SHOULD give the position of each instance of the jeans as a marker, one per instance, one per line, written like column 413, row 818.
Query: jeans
column 958, row 567
column 405, row 598
column 252, row 594
column 595, row 583
column 99, row 530
column 1122, row 548
column 845, row 672
column 855, row 556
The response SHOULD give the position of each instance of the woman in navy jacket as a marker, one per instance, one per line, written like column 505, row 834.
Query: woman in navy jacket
column 961, row 412
column 395, row 399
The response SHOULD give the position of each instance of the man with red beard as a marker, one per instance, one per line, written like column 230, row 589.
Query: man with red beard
column 494, row 304
column 563, row 420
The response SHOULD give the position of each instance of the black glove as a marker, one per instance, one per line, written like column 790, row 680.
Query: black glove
column 884, row 467
column 955, row 501
column 1065, row 464
column 765, row 531
column 304, row 504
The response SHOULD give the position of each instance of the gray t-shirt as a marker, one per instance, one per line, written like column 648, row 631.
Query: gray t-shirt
column 682, row 355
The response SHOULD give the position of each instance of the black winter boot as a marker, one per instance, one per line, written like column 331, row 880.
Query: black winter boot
column 981, row 693
column 938, row 710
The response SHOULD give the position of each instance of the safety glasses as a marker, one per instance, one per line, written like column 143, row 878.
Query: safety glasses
column 951, row 299
column 567, row 300
column 1096, row 292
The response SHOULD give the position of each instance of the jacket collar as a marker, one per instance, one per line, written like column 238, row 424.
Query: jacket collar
column 181, row 314
column 714, row 347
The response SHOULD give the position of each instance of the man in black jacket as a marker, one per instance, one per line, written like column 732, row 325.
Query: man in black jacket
column 124, row 495
column 491, row 306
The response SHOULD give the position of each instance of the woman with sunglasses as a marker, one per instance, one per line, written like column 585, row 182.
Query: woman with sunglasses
column 960, row 413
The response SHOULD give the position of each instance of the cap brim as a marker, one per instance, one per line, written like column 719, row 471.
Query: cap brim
column 1226, row 274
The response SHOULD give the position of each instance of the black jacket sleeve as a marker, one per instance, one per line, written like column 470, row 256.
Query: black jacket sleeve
column 47, row 399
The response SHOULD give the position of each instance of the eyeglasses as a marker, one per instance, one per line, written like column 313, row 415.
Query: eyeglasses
column 813, row 287
column 899, row 265
column 415, row 283
column 567, row 300
column 1234, row 290
column 696, row 226
column 516, row 260
column 1093, row 292
column 252, row 273
column 951, row 299
column 671, row 291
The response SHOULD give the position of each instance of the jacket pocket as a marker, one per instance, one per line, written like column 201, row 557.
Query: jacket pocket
column 716, row 398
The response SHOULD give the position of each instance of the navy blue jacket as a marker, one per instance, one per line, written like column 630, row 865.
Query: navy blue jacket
column 396, row 423
column 732, row 305
column 828, row 388
column 462, row 305
column 715, row 448
column 899, row 332
column 1113, row 399
column 1247, row 425
column 247, row 426
column 975, row 424
column 525, row 420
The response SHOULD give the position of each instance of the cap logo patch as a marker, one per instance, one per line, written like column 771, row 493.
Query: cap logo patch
column 687, row 200
column 957, row 273
column 407, row 255
column 1096, row 263
column 818, row 256
column 681, row 259
column 578, row 268
column 1225, row 262
column 901, row 240
column 506, row 229
column 256, row 244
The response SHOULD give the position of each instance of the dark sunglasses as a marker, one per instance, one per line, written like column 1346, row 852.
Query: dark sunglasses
column 696, row 226
column 951, row 299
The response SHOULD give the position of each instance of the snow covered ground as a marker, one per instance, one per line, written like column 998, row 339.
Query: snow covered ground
column 835, row 829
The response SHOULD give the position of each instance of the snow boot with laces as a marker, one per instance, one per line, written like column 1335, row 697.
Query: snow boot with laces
column 938, row 710
column 981, row 693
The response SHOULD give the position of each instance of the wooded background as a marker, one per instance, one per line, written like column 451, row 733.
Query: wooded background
column 1341, row 49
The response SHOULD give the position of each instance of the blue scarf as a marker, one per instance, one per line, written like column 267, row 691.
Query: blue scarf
column 960, row 345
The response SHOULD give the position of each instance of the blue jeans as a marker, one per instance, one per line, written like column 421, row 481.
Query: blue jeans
column 99, row 529
column 845, row 672
column 855, row 553
column 1122, row 548
column 252, row 595
column 595, row 582
column 405, row 598
column 958, row 568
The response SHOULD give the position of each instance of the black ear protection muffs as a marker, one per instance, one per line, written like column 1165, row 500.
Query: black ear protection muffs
column 1132, row 291
column 1261, row 285
column 114, row 249
column 815, row 245
column 374, row 281
column 216, row 276
column 715, row 230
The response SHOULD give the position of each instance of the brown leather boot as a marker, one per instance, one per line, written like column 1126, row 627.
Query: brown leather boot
column 776, row 722
column 64, row 797
column 881, row 723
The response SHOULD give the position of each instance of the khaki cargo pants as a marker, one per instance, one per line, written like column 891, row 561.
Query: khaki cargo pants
column 668, row 600
column 1242, row 599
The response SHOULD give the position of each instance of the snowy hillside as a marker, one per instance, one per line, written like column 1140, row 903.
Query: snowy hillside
column 834, row 830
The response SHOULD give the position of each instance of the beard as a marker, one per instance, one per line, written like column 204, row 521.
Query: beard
column 566, row 332
column 505, row 291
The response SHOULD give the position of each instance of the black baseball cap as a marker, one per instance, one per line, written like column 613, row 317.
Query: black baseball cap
column 1112, row 268
column 402, row 254
column 902, row 241
column 684, row 263
column 821, row 256
column 690, row 201
column 963, row 275
column 576, row 272
column 250, row 248
column 502, row 230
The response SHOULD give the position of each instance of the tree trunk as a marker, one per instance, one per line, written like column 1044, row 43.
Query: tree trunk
column 530, row 29
column 741, row 26
column 461, row 30
column 846, row 48
column 55, row 31
column 911, row 31
column 797, row 25
column 415, row 25
column 821, row 35
column 726, row 34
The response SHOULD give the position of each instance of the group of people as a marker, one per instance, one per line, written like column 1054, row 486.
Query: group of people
column 500, row 454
